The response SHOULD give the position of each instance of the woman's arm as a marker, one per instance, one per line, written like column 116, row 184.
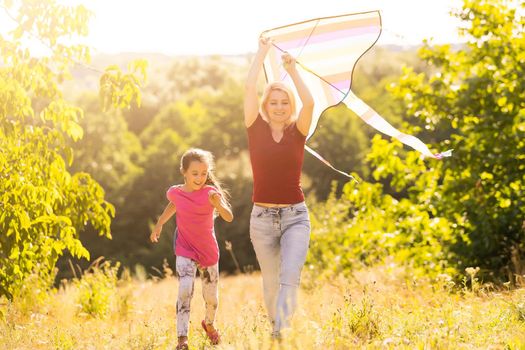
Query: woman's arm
column 165, row 216
column 251, row 101
column 304, row 118
column 222, row 208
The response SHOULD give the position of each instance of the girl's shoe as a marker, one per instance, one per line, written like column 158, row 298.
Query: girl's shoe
column 182, row 346
column 214, row 336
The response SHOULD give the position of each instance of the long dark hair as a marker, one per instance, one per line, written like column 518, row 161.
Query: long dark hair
column 200, row 155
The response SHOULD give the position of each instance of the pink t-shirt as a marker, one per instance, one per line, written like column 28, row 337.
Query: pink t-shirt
column 196, row 236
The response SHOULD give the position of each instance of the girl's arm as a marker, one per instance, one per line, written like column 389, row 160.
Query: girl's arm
column 165, row 216
column 222, row 208
column 304, row 118
column 251, row 101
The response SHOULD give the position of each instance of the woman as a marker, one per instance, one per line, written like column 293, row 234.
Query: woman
column 279, row 222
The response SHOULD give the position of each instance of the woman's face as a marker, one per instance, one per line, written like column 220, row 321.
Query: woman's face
column 278, row 106
column 196, row 175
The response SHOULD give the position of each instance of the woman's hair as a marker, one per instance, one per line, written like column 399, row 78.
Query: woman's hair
column 277, row 86
column 200, row 155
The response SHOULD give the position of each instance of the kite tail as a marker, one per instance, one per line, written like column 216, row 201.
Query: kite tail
column 318, row 156
column 372, row 118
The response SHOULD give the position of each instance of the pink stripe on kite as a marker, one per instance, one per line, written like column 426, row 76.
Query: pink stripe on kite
column 341, row 85
column 304, row 29
column 320, row 38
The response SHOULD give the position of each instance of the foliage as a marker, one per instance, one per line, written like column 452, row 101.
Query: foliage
column 476, row 95
column 33, row 294
column 445, row 216
column 121, row 90
column 43, row 205
column 97, row 289
column 367, row 227
column 145, row 201
column 107, row 151
column 186, row 76
column 360, row 320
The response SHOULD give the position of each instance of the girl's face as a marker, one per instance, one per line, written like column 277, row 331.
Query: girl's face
column 278, row 106
column 196, row 175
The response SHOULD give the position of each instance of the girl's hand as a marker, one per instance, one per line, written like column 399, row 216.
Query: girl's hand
column 214, row 198
column 288, row 62
column 155, row 234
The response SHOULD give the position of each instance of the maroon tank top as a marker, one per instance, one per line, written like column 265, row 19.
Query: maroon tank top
column 276, row 166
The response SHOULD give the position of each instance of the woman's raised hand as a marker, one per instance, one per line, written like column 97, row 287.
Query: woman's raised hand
column 288, row 62
column 265, row 43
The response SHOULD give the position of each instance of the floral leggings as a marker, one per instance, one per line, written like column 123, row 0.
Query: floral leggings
column 187, row 270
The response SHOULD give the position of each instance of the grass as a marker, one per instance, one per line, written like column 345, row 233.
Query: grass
column 380, row 308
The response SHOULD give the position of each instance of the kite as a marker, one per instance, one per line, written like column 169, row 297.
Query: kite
column 326, row 51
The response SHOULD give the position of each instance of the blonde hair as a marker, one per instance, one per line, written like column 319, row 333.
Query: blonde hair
column 277, row 86
column 200, row 155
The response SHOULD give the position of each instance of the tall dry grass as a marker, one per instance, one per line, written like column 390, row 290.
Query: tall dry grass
column 380, row 308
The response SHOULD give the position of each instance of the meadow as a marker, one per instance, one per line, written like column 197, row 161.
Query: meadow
column 400, row 259
column 377, row 308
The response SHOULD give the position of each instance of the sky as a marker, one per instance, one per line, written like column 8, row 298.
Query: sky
column 203, row 27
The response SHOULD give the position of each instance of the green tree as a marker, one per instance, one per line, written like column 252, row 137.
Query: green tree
column 107, row 151
column 365, row 226
column 144, row 203
column 43, row 205
column 477, row 95
column 205, row 73
column 463, row 211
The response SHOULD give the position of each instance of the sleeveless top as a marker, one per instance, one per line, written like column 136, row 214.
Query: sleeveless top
column 276, row 166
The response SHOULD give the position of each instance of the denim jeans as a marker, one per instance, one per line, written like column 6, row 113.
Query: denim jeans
column 280, row 238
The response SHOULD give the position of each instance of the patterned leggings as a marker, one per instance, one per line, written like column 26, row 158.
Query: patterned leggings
column 186, row 270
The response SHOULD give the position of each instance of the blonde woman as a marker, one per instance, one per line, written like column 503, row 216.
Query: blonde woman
column 279, row 222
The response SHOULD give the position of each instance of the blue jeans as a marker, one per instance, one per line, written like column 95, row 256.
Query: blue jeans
column 280, row 238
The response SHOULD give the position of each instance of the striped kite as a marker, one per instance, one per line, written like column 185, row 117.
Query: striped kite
column 326, row 50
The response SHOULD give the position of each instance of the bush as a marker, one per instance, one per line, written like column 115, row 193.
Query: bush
column 365, row 227
column 97, row 290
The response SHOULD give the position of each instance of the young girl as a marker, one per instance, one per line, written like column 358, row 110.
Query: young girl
column 194, row 204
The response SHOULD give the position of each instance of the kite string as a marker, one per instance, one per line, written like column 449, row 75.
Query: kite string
column 304, row 44
column 319, row 157
column 312, row 72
